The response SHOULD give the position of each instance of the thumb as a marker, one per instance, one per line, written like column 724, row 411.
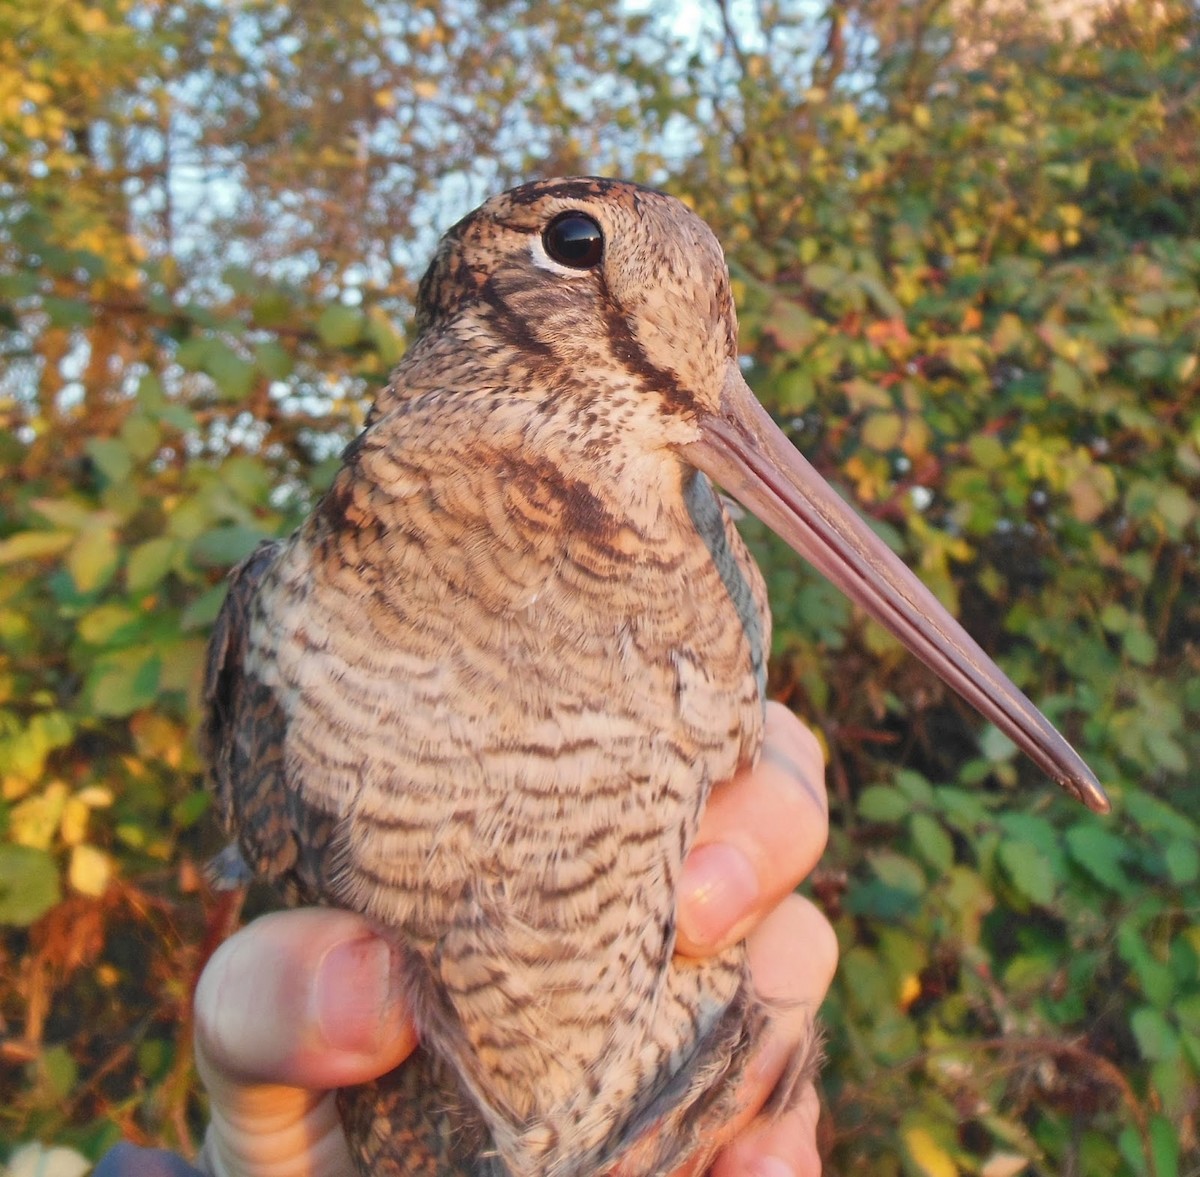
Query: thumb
column 291, row 1007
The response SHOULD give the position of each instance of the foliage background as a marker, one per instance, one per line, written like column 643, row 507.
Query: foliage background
column 966, row 246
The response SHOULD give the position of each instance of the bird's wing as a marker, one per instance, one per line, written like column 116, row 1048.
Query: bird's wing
column 241, row 739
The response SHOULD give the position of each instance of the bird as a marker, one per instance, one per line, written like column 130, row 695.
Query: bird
column 482, row 693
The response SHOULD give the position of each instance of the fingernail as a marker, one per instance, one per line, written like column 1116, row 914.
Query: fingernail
column 352, row 994
column 771, row 1167
column 719, row 889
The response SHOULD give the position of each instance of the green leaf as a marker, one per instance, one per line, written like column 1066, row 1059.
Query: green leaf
column 203, row 610
column 124, row 682
column 1100, row 853
column 100, row 625
column 388, row 339
column 1139, row 646
column 233, row 375
column 996, row 747
column 1028, row 870
column 1153, row 975
column 140, row 436
column 149, row 562
column 1034, row 829
column 1168, row 753
column 880, row 295
column 824, row 277
column 897, row 871
column 1156, row 1037
column 918, row 789
column 275, row 308
column 1172, row 1083
column 882, row 803
column 151, row 395
column 29, row 884
column 247, row 478
column 67, row 312
column 340, row 326
column 189, row 809
column 1066, row 381
column 793, row 390
column 274, row 360
column 932, row 842
column 1183, row 861
column 865, row 980
column 224, row 546
column 112, row 458
column 59, row 1069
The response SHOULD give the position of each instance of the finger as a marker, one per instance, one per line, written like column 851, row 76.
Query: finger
column 295, row 1004
column 793, row 954
column 760, row 835
column 783, row 1147
column 309, row 998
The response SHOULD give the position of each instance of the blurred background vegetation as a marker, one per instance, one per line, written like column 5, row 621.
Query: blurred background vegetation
column 966, row 247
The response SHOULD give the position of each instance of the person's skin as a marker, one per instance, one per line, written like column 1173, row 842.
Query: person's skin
column 302, row 1002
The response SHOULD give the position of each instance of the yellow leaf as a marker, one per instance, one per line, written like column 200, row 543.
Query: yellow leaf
column 1091, row 493
column 882, row 431
column 157, row 737
column 910, row 990
column 96, row 796
column 425, row 89
column 92, row 20
column 930, row 1159
column 13, row 787
column 90, row 870
column 917, row 437
column 31, row 545
column 35, row 820
column 74, row 821
column 93, row 559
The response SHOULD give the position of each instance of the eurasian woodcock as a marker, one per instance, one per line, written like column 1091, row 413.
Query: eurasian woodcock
column 482, row 693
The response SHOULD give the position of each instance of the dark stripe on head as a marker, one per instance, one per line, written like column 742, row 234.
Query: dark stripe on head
column 570, row 188
column 512, row 327
column 624, row 345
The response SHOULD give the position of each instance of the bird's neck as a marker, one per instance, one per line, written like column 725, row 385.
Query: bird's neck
column 537, row 460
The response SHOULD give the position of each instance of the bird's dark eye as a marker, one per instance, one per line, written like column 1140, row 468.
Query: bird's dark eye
column 574, row 239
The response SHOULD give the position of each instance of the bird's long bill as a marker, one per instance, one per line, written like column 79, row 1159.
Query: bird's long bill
column 742, row 449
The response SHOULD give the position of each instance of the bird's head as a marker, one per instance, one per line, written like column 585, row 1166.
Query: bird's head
column 583, row 278
column 613, row 301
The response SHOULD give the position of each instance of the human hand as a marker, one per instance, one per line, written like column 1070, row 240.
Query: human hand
column 302, row 1002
